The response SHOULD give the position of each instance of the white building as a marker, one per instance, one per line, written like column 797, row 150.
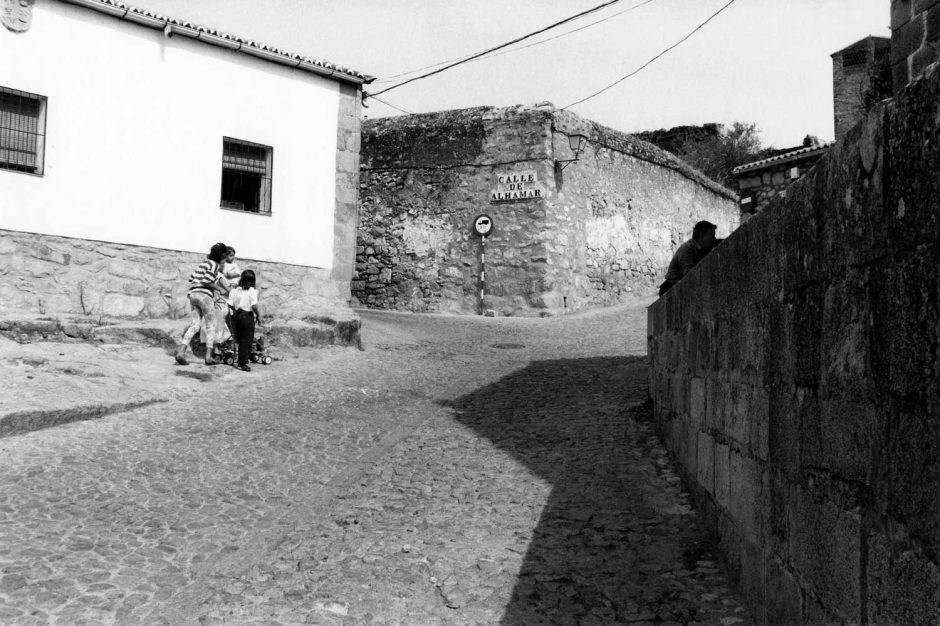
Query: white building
column 130, row 142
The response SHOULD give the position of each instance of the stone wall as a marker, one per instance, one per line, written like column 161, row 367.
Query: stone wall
column 794, row 375
column 52, row 275
column 604, row 227
column 915, row 38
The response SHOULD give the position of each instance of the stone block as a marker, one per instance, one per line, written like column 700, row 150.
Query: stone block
column 905, row 314
column 903, row 584
column 782, row 596
column 900, row 74
column 715, row 404
column 759, row 423
column 845, row 350
column 933, row 23
column 723, row 475
column 697, row 403
column 705, row 463
column 923, row 57
column 747, row 501
column 737, row 416
column 825, row 548
column 842, row 440
column 908, row 38
column 908, row 478
column 753, row 579
column 122, row 305
column 924, row 5
column 784, row 433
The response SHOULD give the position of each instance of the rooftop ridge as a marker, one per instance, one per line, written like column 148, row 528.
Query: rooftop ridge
column 212, row 36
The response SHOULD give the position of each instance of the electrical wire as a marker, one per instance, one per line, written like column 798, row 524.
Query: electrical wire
column 534, row 43
column 651, row 61
column 397, row 108
column 499, row 47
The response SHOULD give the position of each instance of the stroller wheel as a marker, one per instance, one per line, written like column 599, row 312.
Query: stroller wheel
column 230, row 360
column 254, row 358
column 266, row 360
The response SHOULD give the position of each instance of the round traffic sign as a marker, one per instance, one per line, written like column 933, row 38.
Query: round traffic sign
column 483, row 225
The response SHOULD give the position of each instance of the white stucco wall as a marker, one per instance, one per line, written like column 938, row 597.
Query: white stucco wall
column 134, row 132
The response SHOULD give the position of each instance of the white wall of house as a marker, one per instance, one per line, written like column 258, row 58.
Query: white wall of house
column 134, row 129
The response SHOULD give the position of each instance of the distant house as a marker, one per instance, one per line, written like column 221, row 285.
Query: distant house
column 853, row 68
column 130, row 142
column 761, row 181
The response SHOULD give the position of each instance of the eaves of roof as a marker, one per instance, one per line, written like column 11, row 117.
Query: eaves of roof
column 780, row 159
column 211, row 36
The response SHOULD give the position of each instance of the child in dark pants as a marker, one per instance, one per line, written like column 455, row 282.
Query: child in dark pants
column 243, row 302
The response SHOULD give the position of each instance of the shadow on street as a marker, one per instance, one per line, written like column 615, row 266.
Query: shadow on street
column 615, row 541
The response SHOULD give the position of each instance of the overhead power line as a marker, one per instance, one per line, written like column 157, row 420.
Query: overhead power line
column 499, row 47
column 387, row 103
column 534, row 43
column 655, row 58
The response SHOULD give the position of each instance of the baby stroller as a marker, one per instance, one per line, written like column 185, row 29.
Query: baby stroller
column 227, row 352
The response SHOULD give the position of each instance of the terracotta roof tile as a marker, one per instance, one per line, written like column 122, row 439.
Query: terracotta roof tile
column 318, row 66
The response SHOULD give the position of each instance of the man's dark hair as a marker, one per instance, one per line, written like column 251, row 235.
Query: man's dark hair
column 218, row 252
column 247, row 279
column 701, row 228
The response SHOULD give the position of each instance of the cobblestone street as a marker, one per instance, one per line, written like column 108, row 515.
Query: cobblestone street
column 459, row 470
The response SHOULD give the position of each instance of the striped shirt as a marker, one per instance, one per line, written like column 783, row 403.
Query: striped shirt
column 204, row 277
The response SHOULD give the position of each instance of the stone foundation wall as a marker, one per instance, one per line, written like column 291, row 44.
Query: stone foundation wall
column 603, row 228
column 57, row 275
column 794, row 377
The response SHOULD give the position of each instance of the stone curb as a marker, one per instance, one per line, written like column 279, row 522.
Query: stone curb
column 21, row 422
column 313, row 331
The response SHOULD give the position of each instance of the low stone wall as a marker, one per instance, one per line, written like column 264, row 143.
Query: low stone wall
column 603, row 227
column 794, row 375
column 52, row 275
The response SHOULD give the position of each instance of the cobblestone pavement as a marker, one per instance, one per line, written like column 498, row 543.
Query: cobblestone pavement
column 457, row 471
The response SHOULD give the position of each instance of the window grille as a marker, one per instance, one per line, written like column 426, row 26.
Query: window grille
column 246, row 176
column 22, row 131
column 855, row 58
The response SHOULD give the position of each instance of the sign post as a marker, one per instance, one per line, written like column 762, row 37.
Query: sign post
column 483, row 226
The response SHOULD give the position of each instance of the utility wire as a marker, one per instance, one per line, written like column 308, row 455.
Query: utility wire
column 651, row 61
column 499, row 47
column 386, row 103
column 534, row 43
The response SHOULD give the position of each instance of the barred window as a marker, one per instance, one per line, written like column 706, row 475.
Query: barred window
column 246, row 176
column 854, row 58
column 22, row 131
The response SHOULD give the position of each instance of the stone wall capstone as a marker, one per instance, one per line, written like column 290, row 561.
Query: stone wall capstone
column 603, row 228
column 794, row 377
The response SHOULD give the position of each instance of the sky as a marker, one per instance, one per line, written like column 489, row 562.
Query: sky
column 761, row 61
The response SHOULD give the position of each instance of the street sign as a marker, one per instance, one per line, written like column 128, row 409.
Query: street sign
column 483, row 226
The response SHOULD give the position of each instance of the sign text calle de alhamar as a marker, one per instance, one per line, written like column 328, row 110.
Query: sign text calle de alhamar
column 517, row 186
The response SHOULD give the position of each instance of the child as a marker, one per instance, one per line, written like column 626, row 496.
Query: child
column 230, row 275
column 243, row 301
column 203, row 281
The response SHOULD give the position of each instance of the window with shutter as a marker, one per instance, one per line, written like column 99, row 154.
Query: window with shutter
column 246, row 176
column 22, row 131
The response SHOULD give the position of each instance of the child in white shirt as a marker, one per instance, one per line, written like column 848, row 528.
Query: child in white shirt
column 243, row 302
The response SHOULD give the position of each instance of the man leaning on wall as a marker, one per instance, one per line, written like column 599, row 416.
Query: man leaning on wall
column 690, row 253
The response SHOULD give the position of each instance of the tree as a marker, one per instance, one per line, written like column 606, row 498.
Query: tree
column 717, row 155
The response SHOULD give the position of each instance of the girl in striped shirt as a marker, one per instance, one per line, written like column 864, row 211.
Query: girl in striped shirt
column 201, row 295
